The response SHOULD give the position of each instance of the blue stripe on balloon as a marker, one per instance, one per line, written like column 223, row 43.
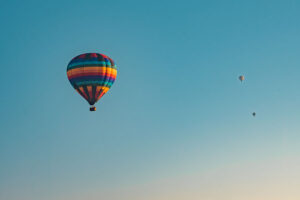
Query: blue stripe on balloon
column 97, row 78
column 88, row 63
column 91, row 82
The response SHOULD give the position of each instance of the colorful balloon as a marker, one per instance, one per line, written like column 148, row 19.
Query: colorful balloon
column 92, row 75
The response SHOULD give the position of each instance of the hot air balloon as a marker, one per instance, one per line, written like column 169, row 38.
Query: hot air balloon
column 241, row 78
column 91, row 75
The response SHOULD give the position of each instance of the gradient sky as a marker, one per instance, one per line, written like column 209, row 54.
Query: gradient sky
column 176, row 124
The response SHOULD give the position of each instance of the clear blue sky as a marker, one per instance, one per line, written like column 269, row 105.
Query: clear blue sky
column 176, row 124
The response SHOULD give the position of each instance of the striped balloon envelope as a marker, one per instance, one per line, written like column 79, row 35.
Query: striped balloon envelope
column 92, row 75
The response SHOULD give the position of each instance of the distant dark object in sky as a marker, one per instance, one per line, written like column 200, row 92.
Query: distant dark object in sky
column 92, row 75
column 254, row 114
column 241, row 78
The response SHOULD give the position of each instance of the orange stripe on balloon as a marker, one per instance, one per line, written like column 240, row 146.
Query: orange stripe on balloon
column 83, row 93
column 102, row 92
column 98, row 89
column 100, row 70
column 89, row 88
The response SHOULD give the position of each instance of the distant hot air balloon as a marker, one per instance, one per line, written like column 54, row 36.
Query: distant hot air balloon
column 91, row 75
column 254, row 114
column 241, row 78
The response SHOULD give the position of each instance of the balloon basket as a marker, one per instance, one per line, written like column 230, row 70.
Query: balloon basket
column 93, row 108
